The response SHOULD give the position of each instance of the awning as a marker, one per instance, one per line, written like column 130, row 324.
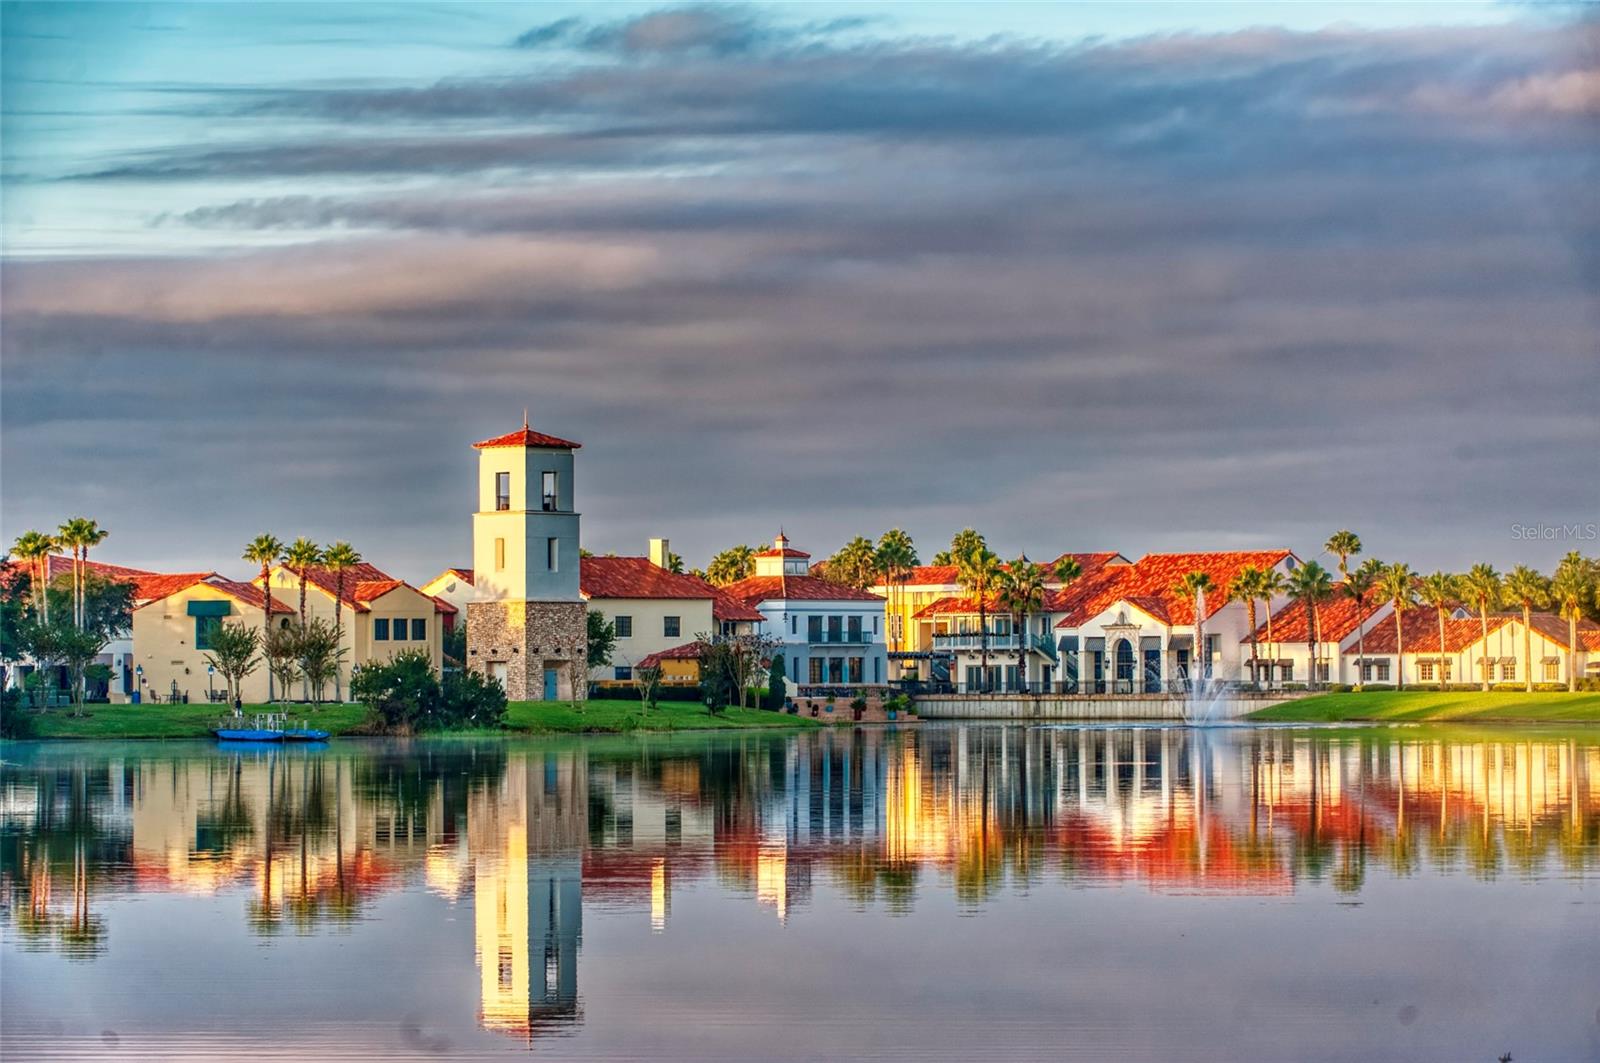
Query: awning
column 1181, row 642
column 210, row 608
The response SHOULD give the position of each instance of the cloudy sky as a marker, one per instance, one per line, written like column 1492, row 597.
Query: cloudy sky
column 1133, row 277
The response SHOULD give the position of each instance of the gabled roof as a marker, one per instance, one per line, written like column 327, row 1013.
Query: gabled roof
column 527, row 437
column 467, row 575
column 363, row 583
column 1336, row 618
column 725, row 607
column 932, row 576
column 1420, row 626
column 635, row 577
column 1055, row 599
column 155, row 588
column 787, row 551
column 689, row 651
column 1155, row 576
column 757, row 589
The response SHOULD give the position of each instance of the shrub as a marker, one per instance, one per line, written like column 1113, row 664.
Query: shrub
column 1340, row 688
column 399, row 693
column 470, row 699
column 630, row 692
column 15, row 719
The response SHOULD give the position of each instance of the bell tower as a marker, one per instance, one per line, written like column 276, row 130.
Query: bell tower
column 526, row 626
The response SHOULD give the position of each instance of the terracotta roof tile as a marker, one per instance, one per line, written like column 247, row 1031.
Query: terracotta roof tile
column 1154, row 576
column 1336, row 618
column 155, row 588
column 689, row 651
column 932, row 576
column 636, row 577
column 1421, row 628
column 798, row 588
column 527, row 437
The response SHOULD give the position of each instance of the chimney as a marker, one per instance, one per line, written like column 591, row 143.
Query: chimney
column 660, row 553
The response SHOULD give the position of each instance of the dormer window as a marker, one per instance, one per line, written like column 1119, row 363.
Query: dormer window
column 794, row 568
column 549, row 492
column 502, row 491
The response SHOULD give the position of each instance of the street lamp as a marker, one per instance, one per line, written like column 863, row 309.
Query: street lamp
column 138, row 694
column 211, row 693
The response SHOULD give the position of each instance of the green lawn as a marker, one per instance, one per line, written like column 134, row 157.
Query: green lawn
column 523, row 717
column 1423, row 705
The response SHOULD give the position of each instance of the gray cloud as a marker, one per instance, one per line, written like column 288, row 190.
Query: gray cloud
column 1180, row 291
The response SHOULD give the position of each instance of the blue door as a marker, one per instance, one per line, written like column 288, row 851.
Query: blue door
column 549, row 684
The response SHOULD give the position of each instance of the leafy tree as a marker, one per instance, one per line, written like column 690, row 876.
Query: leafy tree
column 777, row 677
column 961, row 544
column 318, row 653
column 1574, row 584
column 1398, row 585
column 455, row 642
column 340, row 558
column 16, row 722
column 1531, row 591
column 1195, row 585
column 283, row 656
column 234, row 654
column 855, row 564
column 978, row 573
column 896, row 557
column 602, row 639
column 1440, row 591
column 471, row 699
column 264, row 550
column 648, row 680
column 78, row 647
column 1481, row 586
column 731, row 565
column 728, row 663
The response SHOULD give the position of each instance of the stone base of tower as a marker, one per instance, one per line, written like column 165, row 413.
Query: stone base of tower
column 537, row 650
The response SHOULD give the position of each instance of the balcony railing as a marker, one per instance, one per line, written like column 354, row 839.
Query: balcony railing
column 840, row 638
column 971, row 640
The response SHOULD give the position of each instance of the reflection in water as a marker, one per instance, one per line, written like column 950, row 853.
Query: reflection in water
column 528, row 834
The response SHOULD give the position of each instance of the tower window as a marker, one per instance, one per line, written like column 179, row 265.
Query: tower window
column 552, row 554
column 549, row 492
column 502, row 490
column 499, row 555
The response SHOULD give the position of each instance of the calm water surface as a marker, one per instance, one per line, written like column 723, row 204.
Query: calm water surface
column 952, row 892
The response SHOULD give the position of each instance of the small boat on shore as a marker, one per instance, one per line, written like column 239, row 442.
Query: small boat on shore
column 265, row 727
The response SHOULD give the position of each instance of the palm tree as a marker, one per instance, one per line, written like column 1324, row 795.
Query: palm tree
column 72, row 534
column 1246, row 588
column 1311, row 585
column 895, row 559
column 1481, row 586
column 1573, row 585
column 1194, row 585
column 1273, row 585
column 35, row 548
column 299, row 558
column 1528, row 589
column 1440, row 591
column 1021, row 592
column 339, row 558
column 90, row 535
column 264, row 550
column 731, row 565
column 1358, row 585
column 977, row 573
column 1344, row 545
column 855, row 564
column 1398, row 586
column 961, row 544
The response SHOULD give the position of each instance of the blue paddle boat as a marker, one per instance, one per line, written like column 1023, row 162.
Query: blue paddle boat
column 265, row 727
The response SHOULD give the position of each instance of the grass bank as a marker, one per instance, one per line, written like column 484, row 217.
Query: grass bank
column 1464, row 706
column 522, row 717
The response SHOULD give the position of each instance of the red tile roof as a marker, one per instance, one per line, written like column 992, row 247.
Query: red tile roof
column 155, row 588
column 932, row 575
column 1154, row 576
column 725, row 606
column 787, row 551
column 1336, row 618
column 1091, row 564
column 527, row 437
column 635, row 577
column 798, row 588
column 1421, row 628
column 363, row 583
column 1554, row 628
column 466, row 574
column 689, row 651
column 61, row 565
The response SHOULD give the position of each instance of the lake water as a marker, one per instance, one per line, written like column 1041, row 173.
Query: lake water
column 944, row 892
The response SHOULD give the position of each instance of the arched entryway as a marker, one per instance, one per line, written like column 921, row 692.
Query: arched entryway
column 1124, row 660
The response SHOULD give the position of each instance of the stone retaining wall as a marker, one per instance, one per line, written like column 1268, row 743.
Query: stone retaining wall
column 1069, row 707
